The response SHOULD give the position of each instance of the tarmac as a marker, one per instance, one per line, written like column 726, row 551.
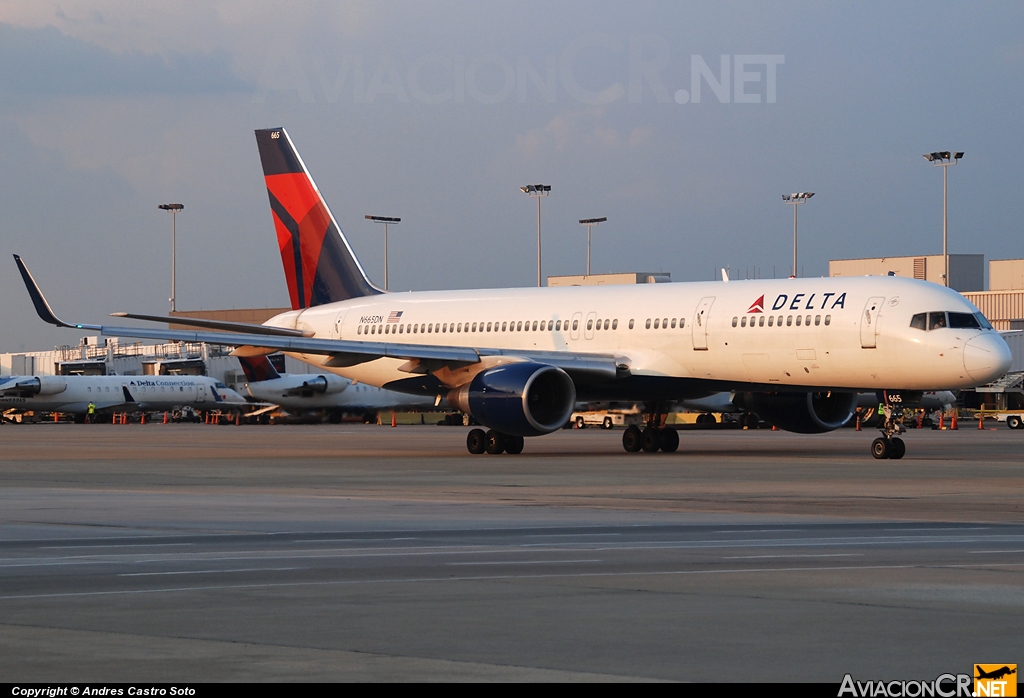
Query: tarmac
column 192, row 553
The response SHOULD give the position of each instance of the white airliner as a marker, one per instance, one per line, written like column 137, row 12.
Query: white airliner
column 325, row 391
column 73, row 394
column 519, row 359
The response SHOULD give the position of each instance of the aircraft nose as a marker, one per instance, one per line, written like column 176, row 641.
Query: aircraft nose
column 987, row 357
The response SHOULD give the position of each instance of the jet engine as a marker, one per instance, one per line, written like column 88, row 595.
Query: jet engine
column 27, row 386
column 803, row 413
column 520, row 399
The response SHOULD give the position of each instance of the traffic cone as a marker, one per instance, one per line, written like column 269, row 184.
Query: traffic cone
column 952, row 423
column 857, row 427
column 394, row 419
column 981, row 421
column 56, row 417
column 165, row 418
column 143, row 419
column 942, row 423
column 238, row 419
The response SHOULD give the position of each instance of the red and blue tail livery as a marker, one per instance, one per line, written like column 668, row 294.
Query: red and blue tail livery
column 318, row 263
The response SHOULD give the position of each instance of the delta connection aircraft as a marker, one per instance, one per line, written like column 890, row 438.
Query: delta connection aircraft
column 73, row 394
column 518, row 359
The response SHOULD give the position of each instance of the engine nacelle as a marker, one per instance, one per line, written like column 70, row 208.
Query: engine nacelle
column 27, row 386
column 803, row 413
column 521, row 399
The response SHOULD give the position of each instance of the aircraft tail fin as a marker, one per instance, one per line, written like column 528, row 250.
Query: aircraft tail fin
column 319, row 265
column 258, row 368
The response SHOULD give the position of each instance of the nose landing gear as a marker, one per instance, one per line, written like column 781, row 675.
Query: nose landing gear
column 889, row 445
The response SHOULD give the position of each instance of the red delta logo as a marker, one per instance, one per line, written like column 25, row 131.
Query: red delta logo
column 757, row 306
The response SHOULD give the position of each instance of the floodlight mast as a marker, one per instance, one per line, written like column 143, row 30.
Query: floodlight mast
column 386, row 221
column 173, row 208
column 943, row 159
column 590, row 223
column 537, row 191
column 795, row 199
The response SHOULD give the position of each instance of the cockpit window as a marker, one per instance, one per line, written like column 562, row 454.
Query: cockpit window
column 220, row 385
column 964, row 321
column 919, row 321
column 983, row 321
column 936, row 321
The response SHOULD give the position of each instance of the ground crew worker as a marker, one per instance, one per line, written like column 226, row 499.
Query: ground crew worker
column 91, row 413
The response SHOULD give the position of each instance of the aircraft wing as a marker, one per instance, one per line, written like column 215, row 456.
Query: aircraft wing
column 420, row 358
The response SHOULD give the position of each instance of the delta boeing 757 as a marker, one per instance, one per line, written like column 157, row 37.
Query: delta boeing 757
column 799, row 350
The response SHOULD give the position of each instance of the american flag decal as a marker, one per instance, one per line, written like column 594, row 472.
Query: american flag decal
column 395, row 316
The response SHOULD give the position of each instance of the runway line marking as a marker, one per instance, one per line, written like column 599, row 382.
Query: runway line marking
column 760, row 557
column 250, row 569
column 948, row 528
column 766, row 530
column 501, row 577
column 994, row 552
column 521, row 562
column 112, row 545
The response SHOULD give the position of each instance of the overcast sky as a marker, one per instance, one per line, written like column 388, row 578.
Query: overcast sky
column 438, row 112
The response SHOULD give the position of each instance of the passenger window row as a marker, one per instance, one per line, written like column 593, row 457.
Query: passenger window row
column 663, row 323
column 445, row 327
column 773, row 321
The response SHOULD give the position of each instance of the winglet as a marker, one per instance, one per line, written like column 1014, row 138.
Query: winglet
column 42, row 307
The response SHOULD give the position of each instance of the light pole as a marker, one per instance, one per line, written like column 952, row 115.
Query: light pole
column 173, row 208
column 944, row 159
column 795, row 199
column 590, row 223
column 537, row 191
column 386, row 221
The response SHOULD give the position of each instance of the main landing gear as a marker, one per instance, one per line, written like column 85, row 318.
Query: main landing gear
column 650, row 439
column 494, row 442
column 889, row 445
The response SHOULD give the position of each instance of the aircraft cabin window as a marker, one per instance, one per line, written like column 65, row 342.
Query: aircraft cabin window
column 799, row 318
column 735, row 321
column 760, row 321
column 590, row 324
column 965, row 321
column 534, row 325
column 657, row 322
column 936, row 321
column 919, row 321
column 630, row 323
column 615, row 324
column 743, row 321
column 828, row 319
column 682, row 322
column 488, row 327
column 789, row 320
column 771, row 320
column 575, row 324
column 807, row 320
column 88, row 390
column 359, row 330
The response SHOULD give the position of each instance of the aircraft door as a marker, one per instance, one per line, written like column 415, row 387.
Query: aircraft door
column 700, row 324
column 200, row 392
column 574, row 331
column 869, row 322
column 339, row 323
column 588, row 329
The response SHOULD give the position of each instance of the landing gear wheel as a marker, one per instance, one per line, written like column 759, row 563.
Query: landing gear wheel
column 881, row 448
column 898, row 449
column 669, row 439
column 607, row 423
column 580, row 424
column 750, row 420
column 650, row 440
column 514, row 444
column 1013, row 421
column 631, row 439
column 495, row 442
column 476, row 441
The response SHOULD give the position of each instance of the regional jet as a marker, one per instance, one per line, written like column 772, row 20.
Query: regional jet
column 74, row 394
column 518, row 359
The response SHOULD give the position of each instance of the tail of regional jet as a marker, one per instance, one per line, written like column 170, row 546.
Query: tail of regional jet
column 318, row 263
column 258, row 369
